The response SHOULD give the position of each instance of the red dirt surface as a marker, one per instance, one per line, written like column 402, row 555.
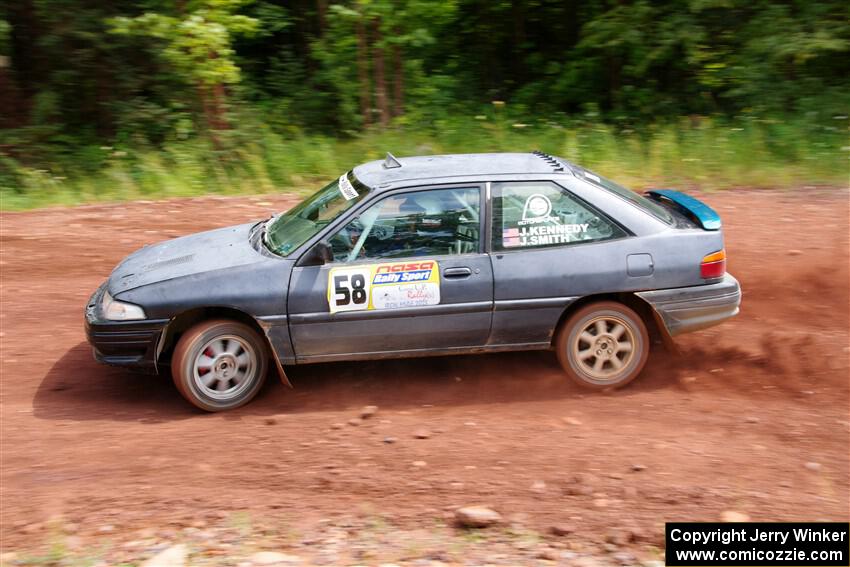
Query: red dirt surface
column 751, row 417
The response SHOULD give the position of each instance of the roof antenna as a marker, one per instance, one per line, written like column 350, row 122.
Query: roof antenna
column 391, row 162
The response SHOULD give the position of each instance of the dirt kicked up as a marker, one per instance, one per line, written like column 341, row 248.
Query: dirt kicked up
column 750, row 419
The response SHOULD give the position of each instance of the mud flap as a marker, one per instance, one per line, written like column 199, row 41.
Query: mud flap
column 280, row 371
column 666, row 338
column 160, row 346
column 281, row 374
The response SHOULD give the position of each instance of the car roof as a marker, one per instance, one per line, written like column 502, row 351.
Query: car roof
column 382, row 173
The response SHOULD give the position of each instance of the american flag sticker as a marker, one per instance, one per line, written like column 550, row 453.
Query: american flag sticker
column 510, row 237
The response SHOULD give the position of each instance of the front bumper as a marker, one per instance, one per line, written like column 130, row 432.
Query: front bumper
column 687, row 309
column 122, row 343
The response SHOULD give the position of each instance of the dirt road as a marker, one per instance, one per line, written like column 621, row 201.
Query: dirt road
column 753, row 417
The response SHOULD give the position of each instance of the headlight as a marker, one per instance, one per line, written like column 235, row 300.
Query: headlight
column 115, row 310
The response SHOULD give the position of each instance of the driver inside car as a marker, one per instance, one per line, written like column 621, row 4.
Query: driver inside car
column 406, row 238
column 395, row 229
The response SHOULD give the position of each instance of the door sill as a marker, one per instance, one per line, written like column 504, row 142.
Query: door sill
column 413, row 353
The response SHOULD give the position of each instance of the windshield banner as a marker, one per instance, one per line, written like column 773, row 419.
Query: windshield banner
column 384, row 286
column 346, row 188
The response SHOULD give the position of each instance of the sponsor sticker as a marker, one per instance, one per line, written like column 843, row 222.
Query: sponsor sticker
column 346, row 188
column 542, row 235
column 537, row 211
column 393, row 285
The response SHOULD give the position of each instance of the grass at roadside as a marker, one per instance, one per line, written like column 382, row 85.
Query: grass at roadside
column 705, row 154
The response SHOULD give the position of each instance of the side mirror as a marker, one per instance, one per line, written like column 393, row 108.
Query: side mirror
column 319, row 255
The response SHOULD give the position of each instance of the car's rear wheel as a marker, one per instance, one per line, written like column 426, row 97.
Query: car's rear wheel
column 219, row 365
column 603, row 345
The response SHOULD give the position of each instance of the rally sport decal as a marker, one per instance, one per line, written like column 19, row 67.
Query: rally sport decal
column 384, row 286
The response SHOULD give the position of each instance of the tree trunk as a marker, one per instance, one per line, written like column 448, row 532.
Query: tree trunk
column 204, row 99
column 212, row 106
column 322, row 11
column 219, row 110
column 614, row 69
column 215, row 103
column 363, row 72
column 380, row 79
column 26, row 70
column 398, row 81
column 518, row 60
column 104, row 93
column 11, row 99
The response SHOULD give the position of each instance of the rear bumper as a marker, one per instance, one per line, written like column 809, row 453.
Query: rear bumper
column 687, row 309
column 122, row 343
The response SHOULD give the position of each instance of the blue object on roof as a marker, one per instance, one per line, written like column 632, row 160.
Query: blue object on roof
column 705, row 215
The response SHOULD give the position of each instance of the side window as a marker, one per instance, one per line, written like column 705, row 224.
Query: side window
column 536, row 214
column 423, row 223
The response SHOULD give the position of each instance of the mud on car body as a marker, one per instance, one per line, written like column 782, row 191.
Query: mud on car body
column 422, row 256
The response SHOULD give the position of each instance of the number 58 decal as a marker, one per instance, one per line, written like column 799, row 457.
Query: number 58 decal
column 393, row 285
column 348, row 289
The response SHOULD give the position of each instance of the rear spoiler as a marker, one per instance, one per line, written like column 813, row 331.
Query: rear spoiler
column 694, row 209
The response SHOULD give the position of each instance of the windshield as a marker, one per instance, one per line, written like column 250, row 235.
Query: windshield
column 652, row 208
column 293, row 228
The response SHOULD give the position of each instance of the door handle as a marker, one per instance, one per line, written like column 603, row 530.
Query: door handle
column 457, row 273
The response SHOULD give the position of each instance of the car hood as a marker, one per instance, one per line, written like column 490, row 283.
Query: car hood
column 202, row 252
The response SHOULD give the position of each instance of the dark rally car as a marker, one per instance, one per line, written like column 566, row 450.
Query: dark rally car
column 422, row 256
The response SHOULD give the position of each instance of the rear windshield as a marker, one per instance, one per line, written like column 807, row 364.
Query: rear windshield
column 647, row 205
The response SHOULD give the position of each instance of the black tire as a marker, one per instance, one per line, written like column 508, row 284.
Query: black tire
column 209, row 375
column 602, row 359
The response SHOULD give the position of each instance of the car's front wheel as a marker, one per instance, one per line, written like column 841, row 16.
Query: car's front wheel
column 219, row 365
column 603, row 345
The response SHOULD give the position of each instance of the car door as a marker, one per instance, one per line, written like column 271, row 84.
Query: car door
column 408, row 275
column 549, row 248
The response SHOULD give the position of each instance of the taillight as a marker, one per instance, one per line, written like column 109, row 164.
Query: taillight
column 713, row 265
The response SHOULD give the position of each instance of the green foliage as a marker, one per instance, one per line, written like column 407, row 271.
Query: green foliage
column 196, row 44
column 5, row 31
column 222, row 95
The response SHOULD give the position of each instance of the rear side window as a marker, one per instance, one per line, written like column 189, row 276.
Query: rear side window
column 647, row 205
column 539, row 214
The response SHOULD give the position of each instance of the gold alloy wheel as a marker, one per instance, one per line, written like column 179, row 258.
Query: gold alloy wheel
column 604, row 348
